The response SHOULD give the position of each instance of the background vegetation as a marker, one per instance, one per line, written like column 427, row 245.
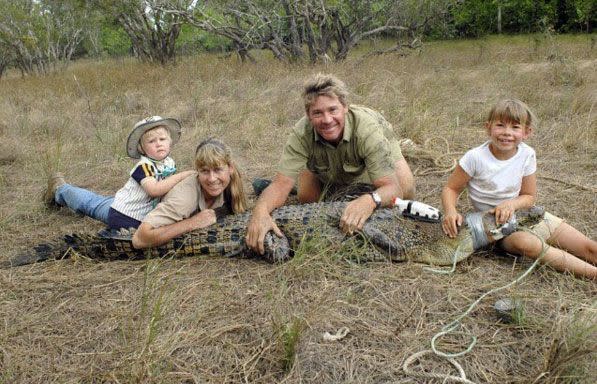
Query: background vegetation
column 37, row 36
column 230, row 320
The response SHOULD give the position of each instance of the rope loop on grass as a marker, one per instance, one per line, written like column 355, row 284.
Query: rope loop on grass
column 459, row 379
column 456, row 324
column 443, row 162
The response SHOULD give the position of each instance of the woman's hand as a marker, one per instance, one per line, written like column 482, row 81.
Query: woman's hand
column 203, row 219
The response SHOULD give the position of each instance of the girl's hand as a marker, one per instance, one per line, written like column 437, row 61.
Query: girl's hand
column 503, row 212
column 451, row 223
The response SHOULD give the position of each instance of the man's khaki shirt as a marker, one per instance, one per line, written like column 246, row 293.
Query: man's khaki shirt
column 368, row 150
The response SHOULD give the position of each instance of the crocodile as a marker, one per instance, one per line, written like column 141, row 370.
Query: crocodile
column 387, row 235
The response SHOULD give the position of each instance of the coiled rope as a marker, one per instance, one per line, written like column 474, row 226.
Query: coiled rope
column 456, row 324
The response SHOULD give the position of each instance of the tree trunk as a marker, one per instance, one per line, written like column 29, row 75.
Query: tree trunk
column 499, row 19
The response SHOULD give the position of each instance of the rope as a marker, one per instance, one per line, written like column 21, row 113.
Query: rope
column 459, row 379
column 464, row 245
column 442, row 163
column 455, row 324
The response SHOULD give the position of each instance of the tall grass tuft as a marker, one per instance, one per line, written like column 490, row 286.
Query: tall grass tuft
column 571, row 351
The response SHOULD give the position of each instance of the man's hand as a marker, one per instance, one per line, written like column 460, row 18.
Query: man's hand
column 259, row 225
column 356, row 214
column 261, row 221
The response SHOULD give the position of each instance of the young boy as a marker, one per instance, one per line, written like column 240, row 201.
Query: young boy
column 152, row 177
column 500, row 176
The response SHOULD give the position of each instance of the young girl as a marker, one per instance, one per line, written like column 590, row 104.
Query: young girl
column 500, row 176
column 152, row 177
column 196, row 202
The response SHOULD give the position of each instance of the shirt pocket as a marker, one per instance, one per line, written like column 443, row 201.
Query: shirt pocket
column 353, row 169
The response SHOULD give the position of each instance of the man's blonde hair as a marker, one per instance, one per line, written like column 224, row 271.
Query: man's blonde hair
column 213, row 153
column 512, row 110
column 326, row 85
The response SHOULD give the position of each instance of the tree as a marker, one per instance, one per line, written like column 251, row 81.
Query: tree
column 40, row 35
column 152, row 31
column 293, row 29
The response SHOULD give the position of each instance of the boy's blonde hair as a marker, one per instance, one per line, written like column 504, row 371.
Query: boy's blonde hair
column 512, row 110
column 212, row 153
column 326, row 85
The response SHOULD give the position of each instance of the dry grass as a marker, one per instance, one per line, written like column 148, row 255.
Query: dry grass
column 230, row 321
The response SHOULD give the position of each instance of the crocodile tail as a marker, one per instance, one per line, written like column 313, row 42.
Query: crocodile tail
column 92, row 246
column 41, row 252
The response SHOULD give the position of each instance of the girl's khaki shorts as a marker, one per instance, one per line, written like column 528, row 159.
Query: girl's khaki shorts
column 547, row 227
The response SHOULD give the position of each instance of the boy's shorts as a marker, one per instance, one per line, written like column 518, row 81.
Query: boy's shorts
column 547, row 227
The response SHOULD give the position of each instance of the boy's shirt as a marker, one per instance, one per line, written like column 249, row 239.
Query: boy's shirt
column 147, row 167
column 132, row 200
column 494, row 181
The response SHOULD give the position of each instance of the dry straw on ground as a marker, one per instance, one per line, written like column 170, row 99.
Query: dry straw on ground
column 230, row 321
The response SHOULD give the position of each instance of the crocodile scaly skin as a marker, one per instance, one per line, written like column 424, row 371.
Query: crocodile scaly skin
column 386, row 235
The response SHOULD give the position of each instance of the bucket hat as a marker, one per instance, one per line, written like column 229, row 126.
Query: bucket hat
column 145, row 125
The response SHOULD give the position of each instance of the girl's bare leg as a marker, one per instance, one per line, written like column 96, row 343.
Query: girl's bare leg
column 572, row 240
column 526, row 244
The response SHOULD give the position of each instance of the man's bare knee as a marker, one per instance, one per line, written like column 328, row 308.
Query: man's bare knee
column 406, row 179
column 306, row 196
column 408, row 191
column 309, row 187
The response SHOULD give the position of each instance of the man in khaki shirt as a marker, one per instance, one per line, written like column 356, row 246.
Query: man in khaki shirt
column 334, row 145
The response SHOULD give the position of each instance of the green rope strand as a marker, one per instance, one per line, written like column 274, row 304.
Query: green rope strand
column 455, row 324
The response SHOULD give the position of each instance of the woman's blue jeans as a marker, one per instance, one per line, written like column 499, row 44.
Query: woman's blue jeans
column 84, row 201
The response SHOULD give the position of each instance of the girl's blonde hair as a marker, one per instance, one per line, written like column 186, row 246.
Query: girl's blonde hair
column 512, row 110
column 326, row 85
column 212, row 153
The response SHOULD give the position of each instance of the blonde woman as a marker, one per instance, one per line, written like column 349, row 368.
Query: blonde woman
column 215, row 189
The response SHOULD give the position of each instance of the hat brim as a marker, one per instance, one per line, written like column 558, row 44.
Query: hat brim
column 132, row 142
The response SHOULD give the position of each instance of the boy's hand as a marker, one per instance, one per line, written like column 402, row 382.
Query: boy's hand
column 503, row 212
column 451, row 222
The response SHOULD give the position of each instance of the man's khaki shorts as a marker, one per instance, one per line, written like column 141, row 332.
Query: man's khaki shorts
column 547, row 227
